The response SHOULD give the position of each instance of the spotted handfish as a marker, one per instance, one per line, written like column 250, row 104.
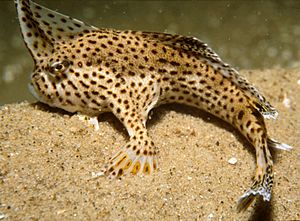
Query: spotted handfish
column 82, row 68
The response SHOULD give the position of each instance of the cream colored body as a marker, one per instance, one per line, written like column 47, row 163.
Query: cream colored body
column 84, row 69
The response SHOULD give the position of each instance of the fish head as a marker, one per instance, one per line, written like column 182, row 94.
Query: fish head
column 48, row 36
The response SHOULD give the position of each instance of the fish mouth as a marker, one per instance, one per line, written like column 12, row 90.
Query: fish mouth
column 33, row 91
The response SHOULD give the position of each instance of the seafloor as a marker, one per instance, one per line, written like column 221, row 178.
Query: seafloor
column 47, row 157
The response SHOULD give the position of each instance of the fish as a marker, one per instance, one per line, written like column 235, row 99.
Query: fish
column 84, row 69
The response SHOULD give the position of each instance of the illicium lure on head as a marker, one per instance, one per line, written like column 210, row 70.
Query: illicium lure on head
column 81, row 68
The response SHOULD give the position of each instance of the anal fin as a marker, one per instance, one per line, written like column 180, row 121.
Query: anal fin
column 281, row 146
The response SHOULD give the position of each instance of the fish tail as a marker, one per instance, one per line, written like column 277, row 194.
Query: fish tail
column 262, row 186
column 263, row 179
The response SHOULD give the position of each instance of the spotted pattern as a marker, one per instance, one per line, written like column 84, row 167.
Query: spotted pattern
column 84, row 69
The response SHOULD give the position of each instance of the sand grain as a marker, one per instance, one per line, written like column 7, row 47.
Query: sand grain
column 47, row 157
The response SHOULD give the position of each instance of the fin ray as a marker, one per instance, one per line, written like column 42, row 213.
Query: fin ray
column 130, row 159
column 56, row 25
column 34, row 37
column 43, row 23
column 256, row 190
column 281, row 146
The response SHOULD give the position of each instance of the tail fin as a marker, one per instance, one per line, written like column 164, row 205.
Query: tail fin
column 245, row 201
column 263, row 189
column 263, row 186
column 281, row 146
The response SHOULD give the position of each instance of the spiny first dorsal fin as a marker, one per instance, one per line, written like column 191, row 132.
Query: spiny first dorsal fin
column 202, row 51
column 55, row 25
column 42, row 27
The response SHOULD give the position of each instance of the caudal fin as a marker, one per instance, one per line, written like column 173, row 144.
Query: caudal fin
column 263, row 184
column 263, row 190
column 245, row 201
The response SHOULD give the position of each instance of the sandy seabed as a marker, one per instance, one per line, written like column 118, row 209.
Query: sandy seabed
column 47, row 157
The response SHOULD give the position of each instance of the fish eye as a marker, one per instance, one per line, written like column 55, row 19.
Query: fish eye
column 59, row 66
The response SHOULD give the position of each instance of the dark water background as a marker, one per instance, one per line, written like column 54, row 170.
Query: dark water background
column 246, row 34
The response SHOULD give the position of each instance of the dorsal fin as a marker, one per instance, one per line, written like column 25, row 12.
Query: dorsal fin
column 35, row 39
column 42, row 27
column 202, row 51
